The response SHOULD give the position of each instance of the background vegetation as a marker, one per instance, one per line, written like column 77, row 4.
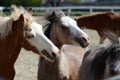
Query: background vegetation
column 21, row 2
column 26, row 2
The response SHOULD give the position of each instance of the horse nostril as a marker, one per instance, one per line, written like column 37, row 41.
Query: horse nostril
column 30, row 36
column 54, row 55
column 84, row 39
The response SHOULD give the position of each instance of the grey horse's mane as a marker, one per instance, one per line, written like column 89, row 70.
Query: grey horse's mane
column 51, row 17
column 100, row 55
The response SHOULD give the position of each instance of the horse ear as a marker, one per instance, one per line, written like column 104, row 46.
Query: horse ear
column 21, row 17
column 12, row 8
column 30, row 10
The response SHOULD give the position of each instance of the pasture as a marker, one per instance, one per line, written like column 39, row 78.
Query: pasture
column 27, row 63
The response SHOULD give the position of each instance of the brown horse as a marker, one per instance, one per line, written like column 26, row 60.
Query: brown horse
column 101, row 62
column 100, row 22
column 17, row 31
column 63, row 30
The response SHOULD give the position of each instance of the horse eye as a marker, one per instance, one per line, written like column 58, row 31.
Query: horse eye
column 113, row 55
column 26, row 29
column 64, row 27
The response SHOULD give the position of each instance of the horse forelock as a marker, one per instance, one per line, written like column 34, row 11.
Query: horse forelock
column 51, row 17
column 54, row 15
column 5, row 26
column 17, row 11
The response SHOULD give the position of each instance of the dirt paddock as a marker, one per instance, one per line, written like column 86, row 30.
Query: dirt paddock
column 27, row 62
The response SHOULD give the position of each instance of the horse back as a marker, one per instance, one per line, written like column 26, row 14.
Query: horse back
column 97, row 20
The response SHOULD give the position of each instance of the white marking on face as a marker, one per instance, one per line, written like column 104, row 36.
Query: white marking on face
column 71, row 23
column 40, row 41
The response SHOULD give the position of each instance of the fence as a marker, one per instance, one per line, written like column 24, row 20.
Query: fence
column 74, row 10
column 78, row 10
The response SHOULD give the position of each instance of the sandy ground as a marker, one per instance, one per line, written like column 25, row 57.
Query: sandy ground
column 27, row 63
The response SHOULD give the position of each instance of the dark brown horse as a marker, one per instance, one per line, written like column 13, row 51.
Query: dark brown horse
column 17, row 31
column 100, row 22
column 101, row 62
column 63, row 30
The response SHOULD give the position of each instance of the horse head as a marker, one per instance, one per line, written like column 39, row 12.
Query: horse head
column 32, row 34
column 64, row 30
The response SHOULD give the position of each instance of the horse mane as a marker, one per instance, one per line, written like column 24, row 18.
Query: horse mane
column 99, row 62
column 51, row 17
column 99, row 55
column 5, row 26
column 6, row 23
column 112, row 36
column 17, row 11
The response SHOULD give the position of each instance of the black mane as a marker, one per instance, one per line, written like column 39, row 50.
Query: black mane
column 51, row 17
column 99, row 62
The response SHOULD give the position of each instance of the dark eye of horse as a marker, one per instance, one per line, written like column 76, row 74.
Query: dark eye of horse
column 64, row 27
column 26, row 29
column 112, row 56
column 115, row 55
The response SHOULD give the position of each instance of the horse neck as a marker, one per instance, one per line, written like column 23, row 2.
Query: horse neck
column 85, row 22
column 53, row 70
column 48, row 70
column 54, row 36
column 10, row 45
column 91, row 65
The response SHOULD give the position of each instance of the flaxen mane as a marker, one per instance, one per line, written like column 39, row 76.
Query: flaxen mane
column 5, row 26
column 6, row 23
column 17, row 11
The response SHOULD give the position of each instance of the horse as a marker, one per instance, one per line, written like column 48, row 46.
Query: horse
column 63, row 30
column 20, row 30
column 101, row 62
column 100, row 21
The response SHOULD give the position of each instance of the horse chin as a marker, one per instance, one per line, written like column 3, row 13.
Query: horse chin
column 83, row 45
column 48, row 57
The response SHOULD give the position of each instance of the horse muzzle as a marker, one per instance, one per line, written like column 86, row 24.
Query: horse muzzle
column 83, row 42
column 49, row 56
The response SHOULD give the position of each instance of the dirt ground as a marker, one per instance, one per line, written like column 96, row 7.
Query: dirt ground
column 27, row 63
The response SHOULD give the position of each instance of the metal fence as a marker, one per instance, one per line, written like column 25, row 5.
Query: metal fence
column 78, row 10
column 74, row 10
